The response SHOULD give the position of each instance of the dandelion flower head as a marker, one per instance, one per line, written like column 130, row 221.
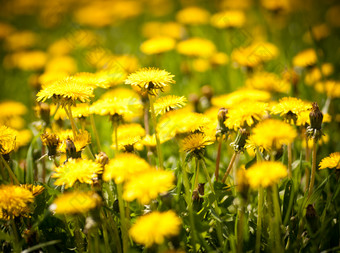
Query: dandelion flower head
column 83, row 171
column 7, row 140
column 168, row 103
column 331, row 161
column 265, row 174
column 152, row 228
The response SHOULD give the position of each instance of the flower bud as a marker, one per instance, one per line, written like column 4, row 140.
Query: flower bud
column 222, row 116
column 240, row 140
column 102, row 159
column 315, row 117
column 52, row 142
column 71, row 151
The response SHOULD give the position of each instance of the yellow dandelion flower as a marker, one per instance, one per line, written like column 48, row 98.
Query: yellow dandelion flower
column 331, row 161
column 305, row 58
column 218, row 59
column 66, row 91
column 82, row 139
column 271, row 134
column 196, row 142
column 26, row 60
column 255, row 54
column 110, row 77
column 157, row 45
column 269, row 82
column 52, row 142
column 14, row 200
column 330, row 87
column 150, row 140
column 123, row 167
column 150, row 79
column 24, row 137
column 84, row 171
column 80, row 110
column 168, row 103
column 12, row 108
column 62, row 64
column 265, row 174
column 227, row 19
column 7, row 140
column 128, row 135
column 239, row 96
column 196, row 47
column 35, row 189
column 276, row 6
column 290, row 108
column 154, row 227
column 148, row 185
column 75, row 202
column 121, row 93
column 116, row 106
column 193, row 16
column 181, row 121
column 20, row 40
column 246, row 114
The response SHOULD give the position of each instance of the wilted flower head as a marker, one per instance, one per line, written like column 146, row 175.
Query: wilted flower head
column 152, row 228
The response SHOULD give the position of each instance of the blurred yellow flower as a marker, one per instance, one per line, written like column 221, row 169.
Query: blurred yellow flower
column 193, row 16
column 246, row 114
column 305, row 58
column 84, row 171
column 330, row 87
column 168, row 103
column 64, row 64
column 169, row 29
column 150, row 79
column 271, row 134
column 239, row 96
column 20, row 40
column 227, row 19
column 24, row 137
column 128, row 135
column 7, row 140
column 26, row 60
column 152, row 228
column 14, row 200
column 269, row 82
column 75, row 202
column 265, row 174
column 66, row 91
column 123, row 167
column 255, row 54
column 314, row 75
column 157, row 45
column 196, row 47
column 331, row 161
column 147, row 185
column 276, row 5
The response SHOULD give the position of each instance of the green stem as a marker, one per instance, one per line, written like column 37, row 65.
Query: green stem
column 73, row 124
column 115, row 130
column 306, row 168
column 196, row 174
column 231, row 163
column 277, row 219
column 312, row 178
column 154, row 121
column 125, row 236
column 259, row 220
column 217, row 210
column 77, row 234
column 189, row 203
column 16, row 240
column 290, row 158
column 10, row 172
column 218, row 158
column 95, row 132
column 240, row 226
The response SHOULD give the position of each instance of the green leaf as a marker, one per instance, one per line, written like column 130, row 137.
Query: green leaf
column 40, row 245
